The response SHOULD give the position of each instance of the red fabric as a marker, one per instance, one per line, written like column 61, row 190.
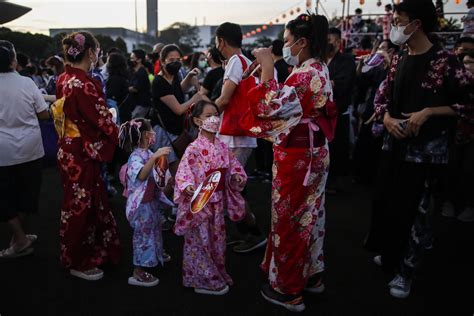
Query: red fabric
column 157, row 67
column 88, row 232
column 231, row 119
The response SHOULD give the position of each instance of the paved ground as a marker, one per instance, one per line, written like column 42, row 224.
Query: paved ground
column 36, row 285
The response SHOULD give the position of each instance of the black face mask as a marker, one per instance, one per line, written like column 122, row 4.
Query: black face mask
column 173, row 67
column 330, row 48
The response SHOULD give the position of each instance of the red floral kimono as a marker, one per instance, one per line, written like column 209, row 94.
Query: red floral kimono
column 88, row 230
column 293, row 116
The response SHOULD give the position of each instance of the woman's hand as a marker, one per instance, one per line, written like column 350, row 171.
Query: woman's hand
column 164, row 151
column 197, row 97
column 194, row 72
column 190, row 190
column 393, row 127
column 416, row 120
column 237, row 178
column 263, row 56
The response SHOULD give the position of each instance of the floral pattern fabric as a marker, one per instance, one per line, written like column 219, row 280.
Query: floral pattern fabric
column 204, row 232
column 145, row 217
column 88, row 232
column 445, row 73
column 295, row 248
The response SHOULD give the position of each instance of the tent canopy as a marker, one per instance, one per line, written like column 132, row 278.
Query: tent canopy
column 11, row 11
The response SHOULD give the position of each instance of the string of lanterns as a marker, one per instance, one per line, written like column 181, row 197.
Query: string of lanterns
column 379, row 2
column 280, row 18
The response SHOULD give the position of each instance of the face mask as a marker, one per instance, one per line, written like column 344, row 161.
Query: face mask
column 173, row 67
column 397, row 35
column 202, row 64
column 288, row 57
column 211, row 124
column 330, row 47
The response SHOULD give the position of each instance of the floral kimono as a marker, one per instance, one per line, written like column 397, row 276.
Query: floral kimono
column 299, row 117
column 88, row 230
column 143, row 210
column 204, row 232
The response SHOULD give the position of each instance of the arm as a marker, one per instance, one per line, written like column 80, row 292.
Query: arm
column 190, row 80
column 49, row 98
column 150, row 164
column 43, row 116
column 39, row 104
column 176, row 107
column 228, row 89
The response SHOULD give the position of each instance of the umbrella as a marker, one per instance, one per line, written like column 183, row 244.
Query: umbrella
column 11, row 11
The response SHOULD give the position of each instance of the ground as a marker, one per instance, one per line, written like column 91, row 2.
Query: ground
column 37, row 285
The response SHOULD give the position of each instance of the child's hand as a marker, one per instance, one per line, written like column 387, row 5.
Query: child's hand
column 237, row 178
column 165, row 151
column 190, row 190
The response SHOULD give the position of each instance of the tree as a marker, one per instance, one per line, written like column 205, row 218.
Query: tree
column 36, row 46
column 182, row 34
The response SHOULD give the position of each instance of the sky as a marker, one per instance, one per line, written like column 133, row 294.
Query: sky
column 110, row 13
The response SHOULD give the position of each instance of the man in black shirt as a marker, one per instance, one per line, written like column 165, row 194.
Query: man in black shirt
column 342, row 71
column 140, row 91
column 283, row 69
column 215, row 75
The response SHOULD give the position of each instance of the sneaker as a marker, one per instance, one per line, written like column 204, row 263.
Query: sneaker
column 467, row 215
column 400, row 287
column 144, row 279
column 293, row 303
column 378, row 260
column 223, row 291
column 251, row 243
column 447, row 210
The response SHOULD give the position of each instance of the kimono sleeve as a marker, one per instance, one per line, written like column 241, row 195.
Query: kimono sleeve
column 461, row 88
column 135, row 165
column 274, row 111
column 234, row 201
column 383, row 97
column 98, row 131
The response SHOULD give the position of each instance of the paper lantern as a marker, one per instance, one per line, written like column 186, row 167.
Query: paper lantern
column 361, row 2
column 283, row 16
column 298, row 9
column 458, row 1
column 271, row 23
column 276, row 21
column 259, row 30
column 309, row 3
column 264, row 27
column 248, row 34
column 292, row 12
column 253, row 32
column 379, row 3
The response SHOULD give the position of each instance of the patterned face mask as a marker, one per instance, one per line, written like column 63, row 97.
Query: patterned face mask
column 211, row 124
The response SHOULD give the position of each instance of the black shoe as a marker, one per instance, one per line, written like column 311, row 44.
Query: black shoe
column 293, row 303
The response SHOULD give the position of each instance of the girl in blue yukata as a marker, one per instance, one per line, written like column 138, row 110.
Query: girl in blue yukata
column 145, row 199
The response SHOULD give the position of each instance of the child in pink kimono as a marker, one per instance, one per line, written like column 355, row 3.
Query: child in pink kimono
column 140, row 179
column 204, row 232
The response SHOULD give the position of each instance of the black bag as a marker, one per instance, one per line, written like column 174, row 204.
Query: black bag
column 180, row 144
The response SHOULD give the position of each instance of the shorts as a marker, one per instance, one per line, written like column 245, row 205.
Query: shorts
column 19, row 189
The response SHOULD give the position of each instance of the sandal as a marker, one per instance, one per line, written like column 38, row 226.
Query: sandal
column 89, row 275
column 143, row 279
column 31, row 237
column 222, row 291
column 11, row 252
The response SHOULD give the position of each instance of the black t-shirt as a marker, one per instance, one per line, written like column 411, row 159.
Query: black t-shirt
column 161, row 87
column 116, row 88
column 283, row 70
column 212, row 78
column 140, row 82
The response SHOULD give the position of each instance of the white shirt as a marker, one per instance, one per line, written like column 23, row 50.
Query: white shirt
column 233, row 72
column 20, row 134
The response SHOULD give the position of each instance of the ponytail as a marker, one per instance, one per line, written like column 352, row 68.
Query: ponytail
column 130, row 133
column 315, row 29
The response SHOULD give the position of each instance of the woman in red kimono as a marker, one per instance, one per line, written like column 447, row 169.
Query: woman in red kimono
column 87, row 138
column 299, row 118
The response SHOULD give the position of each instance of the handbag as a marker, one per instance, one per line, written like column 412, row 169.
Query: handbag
column 180, row 144
column 238, row 106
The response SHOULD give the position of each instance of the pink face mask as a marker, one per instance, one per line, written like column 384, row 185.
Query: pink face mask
column 211, row 124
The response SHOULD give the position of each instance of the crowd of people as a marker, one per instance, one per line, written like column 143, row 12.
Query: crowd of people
column 400, row 118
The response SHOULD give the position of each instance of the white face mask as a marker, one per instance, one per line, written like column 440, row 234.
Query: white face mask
column 289, row 58
column 398, row 36
column 211, row 124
